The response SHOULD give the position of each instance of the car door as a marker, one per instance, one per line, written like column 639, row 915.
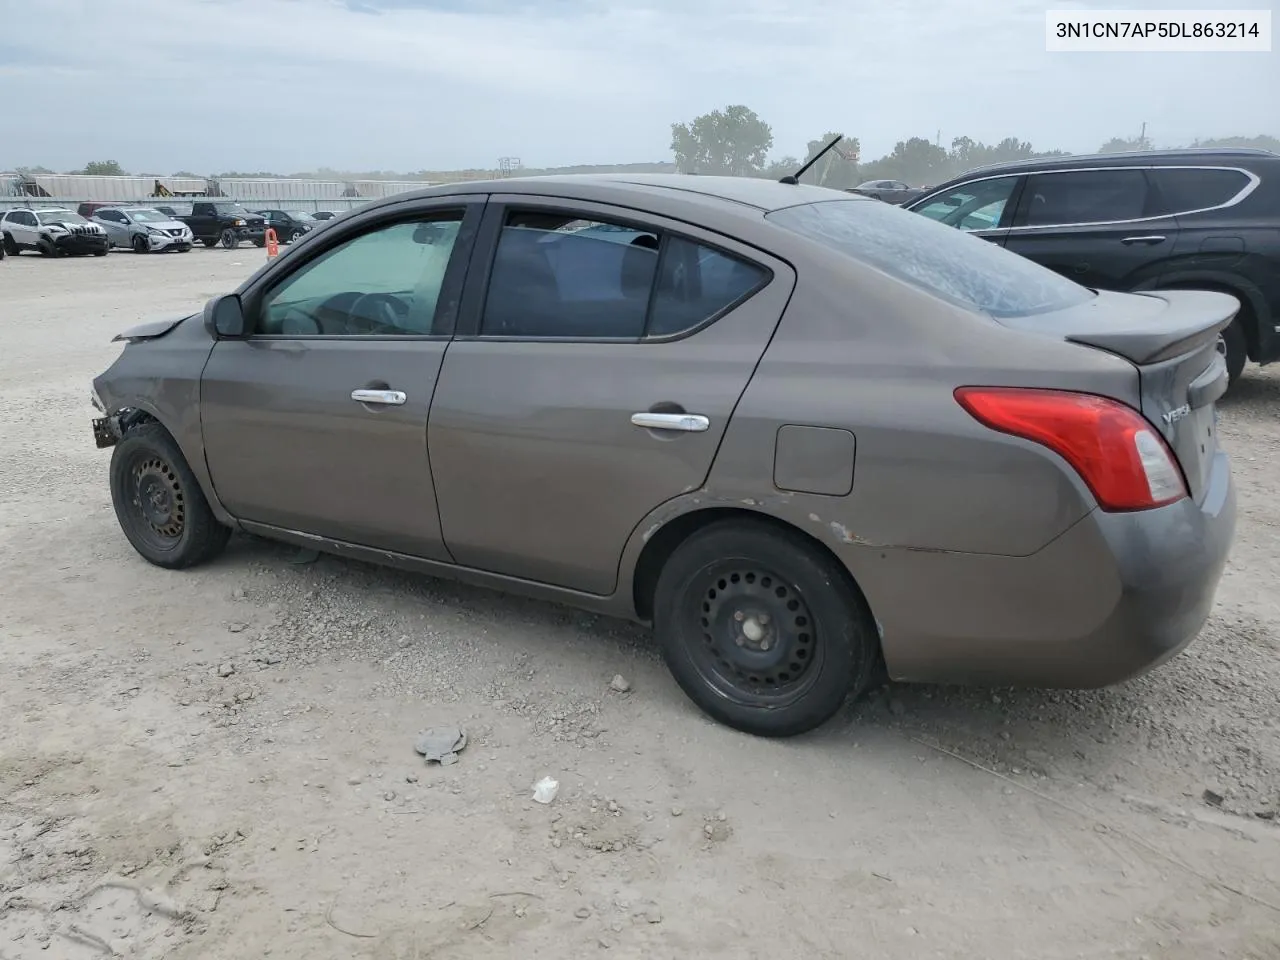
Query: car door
column 116, row 223
column 983, row 206
column 22, row 227
column 317, row 421
column 1104, row 228
column 599, row 357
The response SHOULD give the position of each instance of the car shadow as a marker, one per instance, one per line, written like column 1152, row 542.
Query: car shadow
column 1076, row 735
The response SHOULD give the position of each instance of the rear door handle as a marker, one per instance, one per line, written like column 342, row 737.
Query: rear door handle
column 686, row 422
column 1150, row 241
column 391, row 398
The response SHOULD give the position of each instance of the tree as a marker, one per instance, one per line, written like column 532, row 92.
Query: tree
column 1256, row 143
column 1125, row 145
column 833, row 170
column 915, row 161
column 101, row 168
column 33, row 171
column 731, row 142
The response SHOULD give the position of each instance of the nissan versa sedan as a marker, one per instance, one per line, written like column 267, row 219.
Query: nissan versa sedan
column 798, row 431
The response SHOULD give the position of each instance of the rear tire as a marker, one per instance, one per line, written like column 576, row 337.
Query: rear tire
column 210, row 242
column 1237, row 349
column 762, row 630
column 10, row 247
column 102, row 253
column 159, row 503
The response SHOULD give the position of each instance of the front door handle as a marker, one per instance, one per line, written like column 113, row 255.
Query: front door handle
column 391, row 398
column 686, row 422
column 1150, row 241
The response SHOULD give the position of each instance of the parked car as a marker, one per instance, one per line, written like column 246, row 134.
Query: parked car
column 144, row 230
column 289, row 225
column 1175, row 219
column 795, row 430
column 890, row 191
column 225, row 222
column 324, row 215
column 54, row 231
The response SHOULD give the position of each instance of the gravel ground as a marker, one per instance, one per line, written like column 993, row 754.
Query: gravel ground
column 220, row 764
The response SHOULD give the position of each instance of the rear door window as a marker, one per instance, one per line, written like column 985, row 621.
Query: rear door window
column 1184, row 189
column 697, row 283
column 1083, row 197
column 963, row 270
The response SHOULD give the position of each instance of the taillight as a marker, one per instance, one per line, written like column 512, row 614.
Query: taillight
column 1126, row 464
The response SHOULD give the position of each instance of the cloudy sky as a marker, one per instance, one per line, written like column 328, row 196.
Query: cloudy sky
column 288, row 85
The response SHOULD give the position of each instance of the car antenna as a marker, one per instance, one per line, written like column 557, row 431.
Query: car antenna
column 794, row 178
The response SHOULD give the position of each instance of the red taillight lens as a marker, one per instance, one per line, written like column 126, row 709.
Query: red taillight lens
column 1125, row 462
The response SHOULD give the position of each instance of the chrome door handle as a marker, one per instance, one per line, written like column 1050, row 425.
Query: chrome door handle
column 391, row 398
column 687, row 422
column 1150, row 240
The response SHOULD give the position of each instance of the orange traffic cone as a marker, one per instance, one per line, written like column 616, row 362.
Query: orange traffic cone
column 273, row 243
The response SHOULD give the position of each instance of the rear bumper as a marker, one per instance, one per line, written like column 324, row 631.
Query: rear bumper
column 1112, row 597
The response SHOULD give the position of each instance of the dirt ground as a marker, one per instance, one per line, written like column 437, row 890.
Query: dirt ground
column 220, row 764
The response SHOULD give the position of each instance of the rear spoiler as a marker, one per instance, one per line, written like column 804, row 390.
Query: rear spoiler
column 1191, row 319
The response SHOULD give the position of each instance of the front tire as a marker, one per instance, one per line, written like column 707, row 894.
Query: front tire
column 140, row 244
column 761, row 629
column 159, row 503
column 210, row 242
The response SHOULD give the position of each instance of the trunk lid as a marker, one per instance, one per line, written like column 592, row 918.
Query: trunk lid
column 1172, row 337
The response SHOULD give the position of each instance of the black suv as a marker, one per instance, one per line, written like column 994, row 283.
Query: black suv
column 1204, row 219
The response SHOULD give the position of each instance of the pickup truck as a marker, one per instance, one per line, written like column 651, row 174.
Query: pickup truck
column 224, row 222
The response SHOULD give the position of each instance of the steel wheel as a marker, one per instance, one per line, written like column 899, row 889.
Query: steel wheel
column 759, row 640
column 762, row 627
column 159, row 502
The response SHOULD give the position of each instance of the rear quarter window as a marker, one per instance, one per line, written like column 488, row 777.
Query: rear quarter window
column 953, row 266
column 1184, row 189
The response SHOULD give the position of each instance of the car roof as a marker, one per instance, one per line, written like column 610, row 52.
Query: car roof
column 637, row 189
column 1156, row 158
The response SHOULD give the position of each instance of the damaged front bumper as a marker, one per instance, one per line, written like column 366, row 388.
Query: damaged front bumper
column 106, row 431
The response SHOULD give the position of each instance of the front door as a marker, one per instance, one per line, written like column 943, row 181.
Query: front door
column 1103, row 228
column 599, row 359
column 983, row 207
column 318, row 421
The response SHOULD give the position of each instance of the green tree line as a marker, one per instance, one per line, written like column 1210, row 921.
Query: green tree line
column 735, row 141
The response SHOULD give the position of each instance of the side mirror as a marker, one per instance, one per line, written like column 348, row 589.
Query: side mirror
column 224, row 317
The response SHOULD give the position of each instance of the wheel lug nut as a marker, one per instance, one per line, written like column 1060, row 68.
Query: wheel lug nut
column 763, row 618
column 739, row 616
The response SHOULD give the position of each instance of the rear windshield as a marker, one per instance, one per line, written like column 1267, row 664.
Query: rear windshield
column 948, row 263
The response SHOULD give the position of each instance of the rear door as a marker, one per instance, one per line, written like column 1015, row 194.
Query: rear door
column 600, row 355
column 318, row 421
column 1103, row 228
column 983, row 207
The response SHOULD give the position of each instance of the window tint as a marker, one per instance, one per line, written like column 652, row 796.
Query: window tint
column 383, row 283
column 1084, row 196
column 1184, row 189
column 963, row 270
column 971, row 206
column 695, row 283
column 555, row 275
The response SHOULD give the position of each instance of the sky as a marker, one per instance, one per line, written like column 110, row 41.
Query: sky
column 406, row 85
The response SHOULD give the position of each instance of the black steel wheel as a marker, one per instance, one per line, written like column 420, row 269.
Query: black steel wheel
column 210, row 241
column 762, row 629
column 159, row 503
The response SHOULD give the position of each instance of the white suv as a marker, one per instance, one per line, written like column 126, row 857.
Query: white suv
column 54, row 231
